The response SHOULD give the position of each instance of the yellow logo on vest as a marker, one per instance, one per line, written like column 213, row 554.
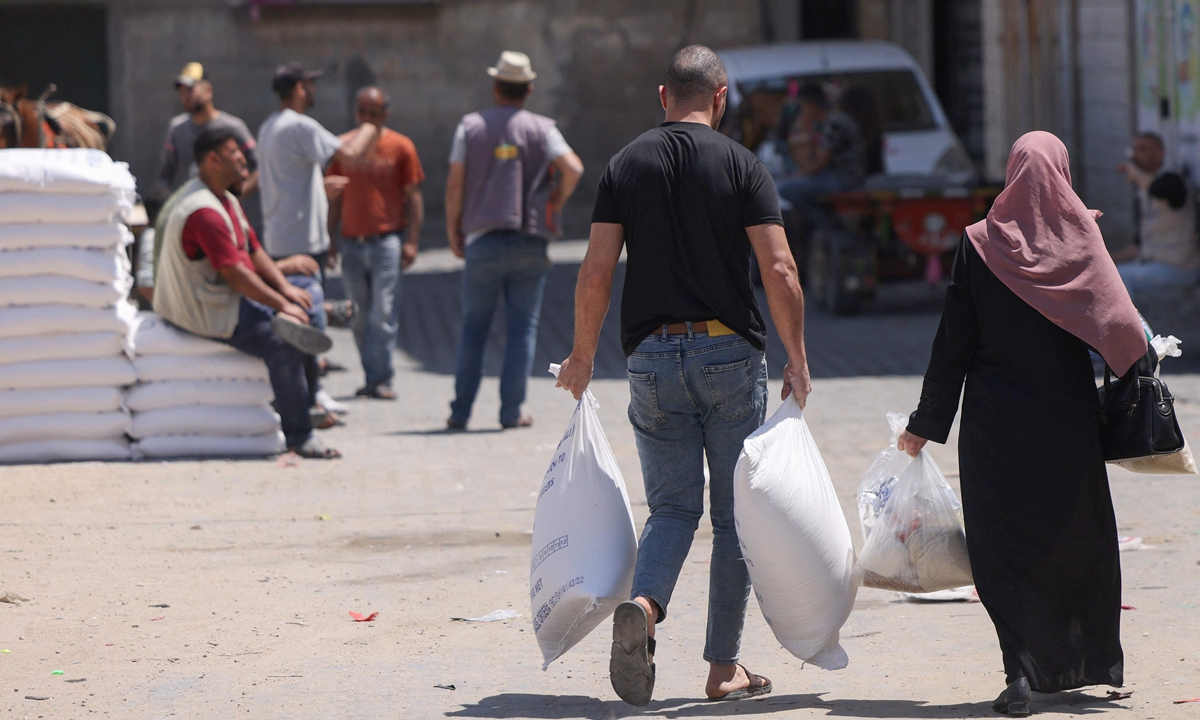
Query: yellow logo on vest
column 504, row 151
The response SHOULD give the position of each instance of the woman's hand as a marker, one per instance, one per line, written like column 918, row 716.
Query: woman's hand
column 910, row 443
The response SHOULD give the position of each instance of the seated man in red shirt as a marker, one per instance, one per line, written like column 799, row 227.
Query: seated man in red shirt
column 214, row 279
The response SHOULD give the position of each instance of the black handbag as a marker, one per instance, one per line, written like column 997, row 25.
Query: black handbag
column 1137, row 414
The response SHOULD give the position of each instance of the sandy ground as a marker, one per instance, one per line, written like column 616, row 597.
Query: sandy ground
column 222, row 589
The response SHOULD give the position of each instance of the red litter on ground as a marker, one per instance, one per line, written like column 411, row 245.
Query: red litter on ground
column 1180, row 702
column 359, row 617
column 1128, row 607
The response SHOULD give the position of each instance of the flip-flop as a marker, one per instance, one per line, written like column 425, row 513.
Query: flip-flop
column 341, row 313
column 762, row 688
column 323, row 419
column 314, row 449
column 630, row 669
column 305, row 338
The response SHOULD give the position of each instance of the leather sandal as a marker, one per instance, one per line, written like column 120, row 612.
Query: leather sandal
column 759, row 685
column 314, row 449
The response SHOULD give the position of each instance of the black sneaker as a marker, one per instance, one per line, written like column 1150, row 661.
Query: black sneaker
column 305, row 338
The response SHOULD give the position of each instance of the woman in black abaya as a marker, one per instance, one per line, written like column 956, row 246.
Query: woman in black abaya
column 1031, row 290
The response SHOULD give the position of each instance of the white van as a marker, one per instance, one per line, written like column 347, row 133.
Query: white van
column 917, row 140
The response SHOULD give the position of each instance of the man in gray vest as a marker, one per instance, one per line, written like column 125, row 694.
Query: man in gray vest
column 215, row 280
column 511, row 173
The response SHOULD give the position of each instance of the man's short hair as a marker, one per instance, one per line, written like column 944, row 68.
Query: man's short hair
column 1153, row 137
column 695, row 72
column 512, row 91
column 812, row 92
column 210, row 140
column 373, row 88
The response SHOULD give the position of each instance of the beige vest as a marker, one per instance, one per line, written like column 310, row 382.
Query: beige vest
column 191, row 293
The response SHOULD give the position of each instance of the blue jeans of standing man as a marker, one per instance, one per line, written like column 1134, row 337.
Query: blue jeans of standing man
column 501, row 265
column 293, row 374
column 371, row 271
column 693, row 397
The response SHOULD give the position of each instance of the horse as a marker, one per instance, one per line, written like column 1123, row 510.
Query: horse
column 39, row 124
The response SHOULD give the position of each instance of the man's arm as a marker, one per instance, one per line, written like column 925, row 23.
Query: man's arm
column 248, row 283
column 415, row 209
column 570, row 169
column 455, row 183
column 593, row 292
column 251, row 185
column 786, row 301
column 356, row 146
column 267, row 271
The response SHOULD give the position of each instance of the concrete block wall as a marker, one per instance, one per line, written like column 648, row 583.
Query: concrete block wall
column 1106, row 112
column 599, row 66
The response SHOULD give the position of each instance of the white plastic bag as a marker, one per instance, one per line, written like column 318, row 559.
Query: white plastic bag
column 21, row 208
column 175, row 446
column 42, row 451
column 155, row 336
column 91, row 372
column 794, row 538
column 880, row 478
column 218, row 366
column 584, row 542
column 69, row 346
column 214, row 421
column 64, row 426
column 46, row 235
column 1177, row 463
column 75, row 171
column 175, row 393
column 912, row 522
column 58, row 290
column 101, row 266
column 18, row 403
column 41, row 320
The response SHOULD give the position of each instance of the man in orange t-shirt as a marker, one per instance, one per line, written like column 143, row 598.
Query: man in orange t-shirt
column 380, row 213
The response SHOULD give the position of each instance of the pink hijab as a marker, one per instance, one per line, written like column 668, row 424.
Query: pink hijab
column 1043, row 243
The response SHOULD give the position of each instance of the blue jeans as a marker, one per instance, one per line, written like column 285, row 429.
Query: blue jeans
column 691, row 398
column 509, row 265
column 293, row 374
column 804, row 191
column 371, row 271
column 1155, row 277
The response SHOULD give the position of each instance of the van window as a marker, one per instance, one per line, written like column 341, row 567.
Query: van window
column 898, row 97
column 901, row 103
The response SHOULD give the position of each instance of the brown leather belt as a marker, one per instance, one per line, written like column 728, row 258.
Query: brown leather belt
column 714, row 328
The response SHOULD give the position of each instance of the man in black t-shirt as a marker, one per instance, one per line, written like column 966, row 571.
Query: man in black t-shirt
column 689, row 205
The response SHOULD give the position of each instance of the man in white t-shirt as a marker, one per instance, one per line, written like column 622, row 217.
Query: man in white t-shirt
column 293, row 152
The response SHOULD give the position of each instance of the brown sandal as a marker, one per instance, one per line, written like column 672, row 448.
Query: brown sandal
column 759, row 685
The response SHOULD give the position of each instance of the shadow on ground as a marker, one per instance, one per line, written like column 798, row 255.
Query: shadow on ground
column 891, row 337
column 522, row 705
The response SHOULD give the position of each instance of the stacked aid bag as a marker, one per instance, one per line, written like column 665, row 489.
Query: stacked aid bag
column 197, row 397
column 64, row 315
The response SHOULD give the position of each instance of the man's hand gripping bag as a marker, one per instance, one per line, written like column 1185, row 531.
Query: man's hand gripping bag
column 795, row 539
column 584, row 541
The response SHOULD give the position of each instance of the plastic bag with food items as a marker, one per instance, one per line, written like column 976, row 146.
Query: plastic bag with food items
column 912, row 523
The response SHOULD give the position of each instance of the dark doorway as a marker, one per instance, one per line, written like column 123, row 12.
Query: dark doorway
column 827, row 19
column 62, row 44
column 958, row 69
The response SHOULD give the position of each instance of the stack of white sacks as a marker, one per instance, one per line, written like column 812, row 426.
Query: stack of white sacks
column 197, row 397
column 64, row 316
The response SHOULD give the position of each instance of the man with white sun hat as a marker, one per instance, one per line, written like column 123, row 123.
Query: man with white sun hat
column 511, row 173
